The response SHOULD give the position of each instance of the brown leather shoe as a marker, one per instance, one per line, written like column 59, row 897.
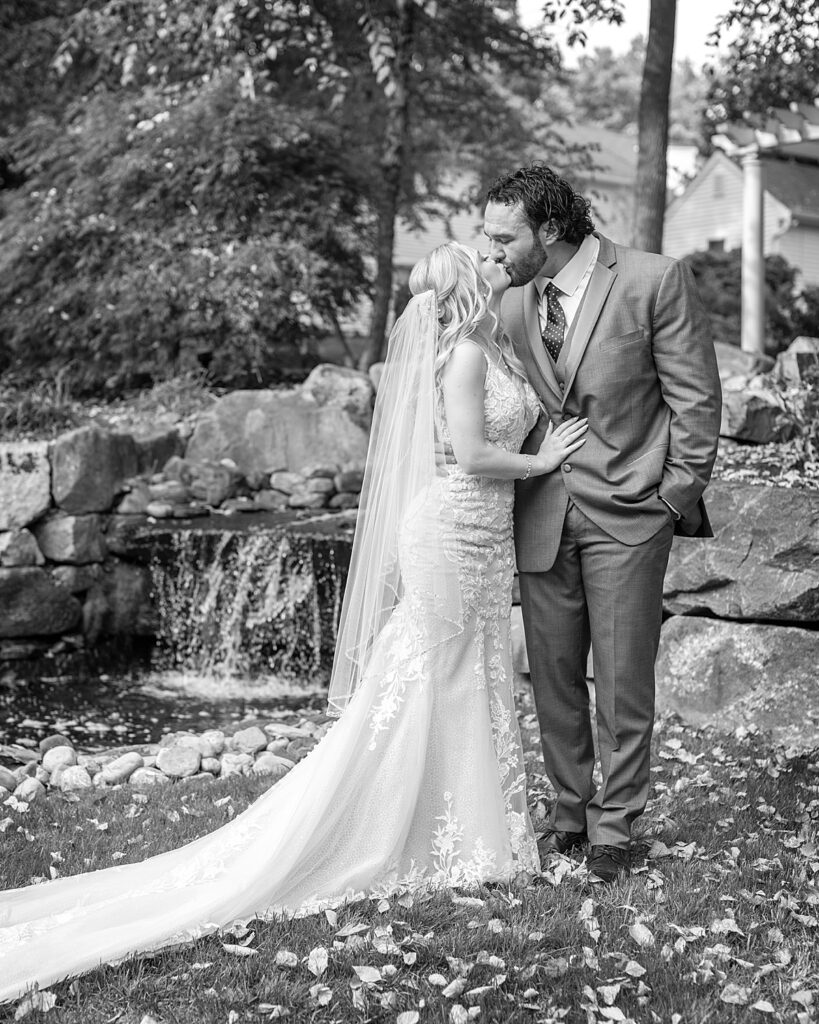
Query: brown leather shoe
column 606, row 863
column 558, row 841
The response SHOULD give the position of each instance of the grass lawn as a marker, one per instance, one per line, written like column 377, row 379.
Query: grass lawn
column 717, row 923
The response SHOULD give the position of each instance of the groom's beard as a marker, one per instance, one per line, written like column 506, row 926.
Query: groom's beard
column 529, row 266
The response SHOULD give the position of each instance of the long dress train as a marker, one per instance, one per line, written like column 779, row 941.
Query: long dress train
column 419, row 783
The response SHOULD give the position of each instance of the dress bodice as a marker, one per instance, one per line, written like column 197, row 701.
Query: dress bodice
column 511, row 409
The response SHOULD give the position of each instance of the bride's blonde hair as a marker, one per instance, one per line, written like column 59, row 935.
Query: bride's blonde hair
column 452, row 272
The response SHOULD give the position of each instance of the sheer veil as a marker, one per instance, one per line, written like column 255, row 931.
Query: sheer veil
column 401, row 485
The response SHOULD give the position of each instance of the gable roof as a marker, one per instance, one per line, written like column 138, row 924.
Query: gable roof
column 792, row 175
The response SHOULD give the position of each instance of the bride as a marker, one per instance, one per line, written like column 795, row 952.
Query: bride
column 420, row 782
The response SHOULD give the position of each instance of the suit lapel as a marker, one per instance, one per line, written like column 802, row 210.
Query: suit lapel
column 534, row 340
column 602, row 279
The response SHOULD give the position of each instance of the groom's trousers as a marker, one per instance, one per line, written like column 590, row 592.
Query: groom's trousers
column 607, row 594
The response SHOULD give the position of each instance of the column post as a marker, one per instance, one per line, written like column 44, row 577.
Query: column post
column 753, row 259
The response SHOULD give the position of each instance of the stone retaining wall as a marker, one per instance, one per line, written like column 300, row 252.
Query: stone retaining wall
column 63, row 579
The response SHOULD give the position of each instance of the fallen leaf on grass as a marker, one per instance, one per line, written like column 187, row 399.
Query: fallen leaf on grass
column 725, row 925
column 608, row 993
column 634, row 970
column 458, row 1014
column 454, row 988
column 41, row 1002
column 369, row 975
column 284, row 958
column 763, row 1006
column 321, row 994
column 611, row 1012
column 735, row 994
column 438, row 980
column 804, row 997
column 642, row 936
column 352, row 929
column 468, row 901
column 332, row 917
column 237, row 950
column 408, row 1017
column 317, row 960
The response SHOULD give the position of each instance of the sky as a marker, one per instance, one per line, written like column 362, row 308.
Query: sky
column 695, row 20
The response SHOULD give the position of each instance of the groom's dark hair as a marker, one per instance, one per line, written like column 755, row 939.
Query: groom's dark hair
column 546, row 199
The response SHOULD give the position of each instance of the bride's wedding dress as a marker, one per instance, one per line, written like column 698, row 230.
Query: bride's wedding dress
column 419, row 783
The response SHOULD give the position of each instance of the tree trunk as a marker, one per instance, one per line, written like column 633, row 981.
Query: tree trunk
column 395, row 144
column 649, row 200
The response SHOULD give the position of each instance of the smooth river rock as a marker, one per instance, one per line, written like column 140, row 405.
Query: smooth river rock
column 25, row 482
column 178, row 762
column 730, row 674
column 762, row 563
column 121, row 768
column 75, row 777
column 59, row 757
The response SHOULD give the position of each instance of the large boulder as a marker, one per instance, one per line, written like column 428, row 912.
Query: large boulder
column 25, row 483
column 75, row 540
column 733, row 361
column 325, row 420
column 32, row 604
column 762, row 563
column 752, row 412
column 799, row 359
column 731, row 674
column 90, row 466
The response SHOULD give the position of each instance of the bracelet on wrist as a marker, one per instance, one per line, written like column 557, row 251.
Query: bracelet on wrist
column 528, row 472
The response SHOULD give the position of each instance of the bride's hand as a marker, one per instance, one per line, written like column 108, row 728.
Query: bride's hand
column 560, row 442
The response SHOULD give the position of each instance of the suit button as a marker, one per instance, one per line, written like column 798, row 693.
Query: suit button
column 561, row 385
column 566, row 467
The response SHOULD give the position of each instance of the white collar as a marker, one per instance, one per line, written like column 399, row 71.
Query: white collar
column 569, row 279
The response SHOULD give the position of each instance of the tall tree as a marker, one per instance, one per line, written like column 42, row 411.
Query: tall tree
column 650, row 192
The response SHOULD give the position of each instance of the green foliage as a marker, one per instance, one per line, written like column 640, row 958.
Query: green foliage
column 218, row 232
column 788, row 311
column 771, row 60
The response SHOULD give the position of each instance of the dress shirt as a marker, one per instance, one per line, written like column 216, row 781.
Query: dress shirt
column 572, row 280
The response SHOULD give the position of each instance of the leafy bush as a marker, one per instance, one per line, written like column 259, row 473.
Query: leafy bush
column 789, row 312
column 151, row 240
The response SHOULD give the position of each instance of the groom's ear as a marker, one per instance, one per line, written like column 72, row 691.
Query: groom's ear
column 548, row 233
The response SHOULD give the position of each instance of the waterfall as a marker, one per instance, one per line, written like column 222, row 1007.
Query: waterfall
column 236, row 603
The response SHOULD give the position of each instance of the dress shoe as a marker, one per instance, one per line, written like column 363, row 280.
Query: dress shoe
column 605, row 863
column 557, row 841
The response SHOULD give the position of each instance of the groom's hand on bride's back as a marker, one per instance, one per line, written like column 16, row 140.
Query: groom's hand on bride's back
column 444, row 456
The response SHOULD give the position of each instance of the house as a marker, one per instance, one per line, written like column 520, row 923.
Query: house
column 708, row 214
column 608, row 182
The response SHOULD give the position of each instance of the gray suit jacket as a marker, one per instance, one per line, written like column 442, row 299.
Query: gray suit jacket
column 642, row 368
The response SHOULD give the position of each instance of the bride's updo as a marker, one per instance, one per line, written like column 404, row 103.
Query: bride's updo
column 452, row 272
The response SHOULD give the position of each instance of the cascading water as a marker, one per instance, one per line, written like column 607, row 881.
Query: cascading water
column 236, row 604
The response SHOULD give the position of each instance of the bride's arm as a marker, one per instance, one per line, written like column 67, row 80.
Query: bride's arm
column 463, row 387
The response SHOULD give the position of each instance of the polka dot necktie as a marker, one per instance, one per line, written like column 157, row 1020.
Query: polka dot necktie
column 555, row 325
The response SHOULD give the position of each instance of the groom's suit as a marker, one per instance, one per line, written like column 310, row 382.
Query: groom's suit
column 593, row 537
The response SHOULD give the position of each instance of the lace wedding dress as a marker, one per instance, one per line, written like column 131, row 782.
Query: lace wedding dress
column 420, row 783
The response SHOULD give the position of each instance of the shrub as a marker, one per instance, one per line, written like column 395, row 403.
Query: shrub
column 789, row 312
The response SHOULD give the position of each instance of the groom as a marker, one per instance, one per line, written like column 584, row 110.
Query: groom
column 619, row 336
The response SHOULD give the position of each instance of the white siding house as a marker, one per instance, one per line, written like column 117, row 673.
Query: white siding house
column 709, row 213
